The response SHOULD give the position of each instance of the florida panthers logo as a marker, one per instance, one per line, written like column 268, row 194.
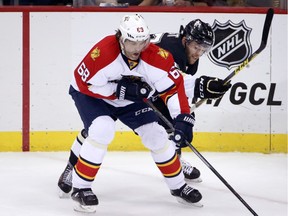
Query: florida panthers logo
column 163, row 53
column 95, row 53
column 232, row 44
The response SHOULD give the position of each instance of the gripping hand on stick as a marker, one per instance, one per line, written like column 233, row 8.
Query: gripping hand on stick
column 210, row 87
column 132, row 89
column 183, row 125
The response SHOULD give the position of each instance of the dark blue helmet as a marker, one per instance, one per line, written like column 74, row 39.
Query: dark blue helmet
column 198, row 31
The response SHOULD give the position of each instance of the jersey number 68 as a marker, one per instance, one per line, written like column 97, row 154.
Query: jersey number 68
column 83, row 72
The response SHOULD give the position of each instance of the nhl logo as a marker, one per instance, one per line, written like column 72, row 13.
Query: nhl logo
column 232, row 44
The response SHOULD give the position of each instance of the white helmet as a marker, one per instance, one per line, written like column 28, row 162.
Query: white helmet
column 134, row 28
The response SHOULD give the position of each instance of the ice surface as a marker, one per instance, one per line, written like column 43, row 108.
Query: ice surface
column 129, row 183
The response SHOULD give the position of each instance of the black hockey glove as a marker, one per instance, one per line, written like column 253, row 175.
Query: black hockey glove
column 210, row 87
column 183, row 125
column 132, row 89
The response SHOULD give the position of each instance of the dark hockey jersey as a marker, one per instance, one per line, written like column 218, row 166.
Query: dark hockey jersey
column 172, row 43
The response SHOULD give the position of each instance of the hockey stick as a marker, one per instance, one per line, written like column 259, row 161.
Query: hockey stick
column 265, row 33
column 171, row 128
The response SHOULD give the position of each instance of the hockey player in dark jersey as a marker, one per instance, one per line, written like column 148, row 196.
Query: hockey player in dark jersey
column 187, row 47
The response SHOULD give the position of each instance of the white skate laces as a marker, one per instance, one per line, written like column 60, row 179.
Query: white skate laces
column 192, row 174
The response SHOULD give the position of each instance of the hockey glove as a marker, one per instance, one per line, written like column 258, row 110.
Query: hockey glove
column 131, row 89
column 183, row 125
column 210, row 87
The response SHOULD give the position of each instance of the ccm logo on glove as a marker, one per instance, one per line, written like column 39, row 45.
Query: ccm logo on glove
column 210, row 87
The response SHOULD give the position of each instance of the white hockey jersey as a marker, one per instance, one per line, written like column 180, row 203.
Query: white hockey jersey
column 98, row 73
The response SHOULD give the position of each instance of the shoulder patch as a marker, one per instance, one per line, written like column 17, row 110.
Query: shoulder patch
column 163, row 53
column 95, row 53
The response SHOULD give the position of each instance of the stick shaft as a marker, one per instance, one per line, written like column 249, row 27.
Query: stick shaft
column 265, row 33
column 169, row 124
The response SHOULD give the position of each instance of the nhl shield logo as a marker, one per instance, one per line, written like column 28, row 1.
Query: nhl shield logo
column 232, row 44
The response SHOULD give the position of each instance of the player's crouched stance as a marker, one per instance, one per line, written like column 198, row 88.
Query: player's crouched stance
column 110, row 83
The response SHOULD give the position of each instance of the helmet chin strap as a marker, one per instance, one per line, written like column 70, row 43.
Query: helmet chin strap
column 121, row 42
column 183, row 41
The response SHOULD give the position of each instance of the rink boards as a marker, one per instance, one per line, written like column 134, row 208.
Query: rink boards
column 40, row 49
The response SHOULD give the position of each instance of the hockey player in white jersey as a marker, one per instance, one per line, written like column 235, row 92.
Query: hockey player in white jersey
column 187, row 47
column 110, row 83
